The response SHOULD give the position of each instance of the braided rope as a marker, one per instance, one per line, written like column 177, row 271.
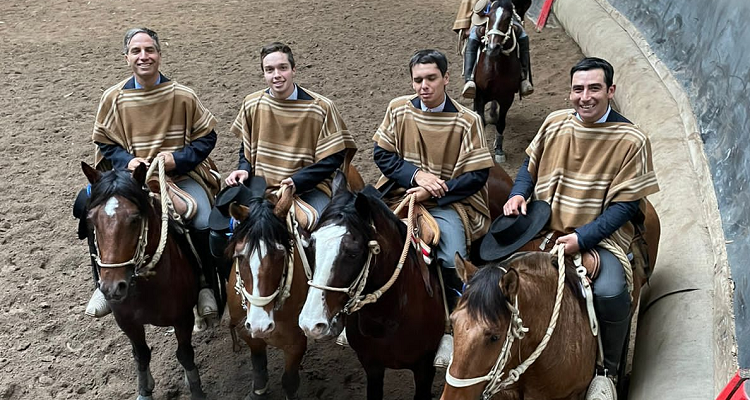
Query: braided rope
column 612, row 247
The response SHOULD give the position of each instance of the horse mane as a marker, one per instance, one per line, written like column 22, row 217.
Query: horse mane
column 483, row 298
column 507, row 4
column 261, row 224
column 342, row 210
column 121, row 183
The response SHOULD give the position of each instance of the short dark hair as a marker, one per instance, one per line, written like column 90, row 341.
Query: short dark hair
column 273, row 48
column 590, row 63
column 429, row 56
column 132, row 32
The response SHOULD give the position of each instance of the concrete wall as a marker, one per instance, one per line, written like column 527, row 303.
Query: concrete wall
column 706, row 45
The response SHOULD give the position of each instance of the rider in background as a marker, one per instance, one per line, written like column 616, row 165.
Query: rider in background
column 290, row 135
column 594, row 168
column 146, row 116
column 432, row 146
column 479, row 17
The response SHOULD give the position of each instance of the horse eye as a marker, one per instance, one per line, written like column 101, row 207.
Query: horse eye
column 494, row 338
column 279, row 246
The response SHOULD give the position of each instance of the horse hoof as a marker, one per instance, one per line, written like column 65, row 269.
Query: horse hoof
column 500, row 158
column 144, row 398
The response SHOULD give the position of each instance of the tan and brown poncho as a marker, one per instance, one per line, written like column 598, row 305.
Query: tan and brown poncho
column 580, row 168
column 145, row 122
column 280, row 137
column 463, row 16
column 446, row 144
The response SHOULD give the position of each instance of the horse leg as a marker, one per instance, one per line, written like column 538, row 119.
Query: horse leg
column 424, row 374
column 259, row 360
column 186, row 356
column 142, row 356
column 503, row 107
column 292, row 360
column 375, row 377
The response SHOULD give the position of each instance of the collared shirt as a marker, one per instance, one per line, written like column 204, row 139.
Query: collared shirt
column 139, row 86
column 601, row 120
column 292, row 96
column 439, row 108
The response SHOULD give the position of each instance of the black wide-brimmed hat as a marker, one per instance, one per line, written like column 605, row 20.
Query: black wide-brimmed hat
column 219, row 218
column 509, row 233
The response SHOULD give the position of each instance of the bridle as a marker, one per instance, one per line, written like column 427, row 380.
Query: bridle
column 356, row 299
column 507, row 35
column 516, row 330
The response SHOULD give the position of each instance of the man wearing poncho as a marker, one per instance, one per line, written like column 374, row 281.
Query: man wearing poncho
column 148, row 116
column 434, row 147
column 594, row 168
column 290, row 135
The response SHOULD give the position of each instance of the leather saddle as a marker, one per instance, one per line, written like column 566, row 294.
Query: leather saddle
column 183, row 203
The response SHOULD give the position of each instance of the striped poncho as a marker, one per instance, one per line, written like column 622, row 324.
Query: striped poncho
column 280, row 137
column 463, row 16
column 581, row 168
column 145, row 122
column 446, row 144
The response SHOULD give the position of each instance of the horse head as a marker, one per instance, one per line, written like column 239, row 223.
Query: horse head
column 500, row 31
column 262, row 248
column 342, row 246
column 119, row 214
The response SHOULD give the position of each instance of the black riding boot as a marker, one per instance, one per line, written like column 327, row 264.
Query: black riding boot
column 470, row 60
column 527, row 87
column 614, row 323
column 210, row 280
column 453, row 287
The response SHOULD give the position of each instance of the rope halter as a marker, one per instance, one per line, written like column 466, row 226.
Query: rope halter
column 509, row 34
column 516, row 330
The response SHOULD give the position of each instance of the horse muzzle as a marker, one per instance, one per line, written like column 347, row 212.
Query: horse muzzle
column 115, row 291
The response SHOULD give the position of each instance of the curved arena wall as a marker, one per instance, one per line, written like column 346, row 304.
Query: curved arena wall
column 685, row 334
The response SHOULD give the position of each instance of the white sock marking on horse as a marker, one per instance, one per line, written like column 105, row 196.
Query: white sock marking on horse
column 327, row 244
column 258, row 317
column 111, row 206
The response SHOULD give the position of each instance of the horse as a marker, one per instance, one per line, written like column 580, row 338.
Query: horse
column 355, row 249
column 498, row 70
column 523, row 290
column 127, row 229
column 267, row 287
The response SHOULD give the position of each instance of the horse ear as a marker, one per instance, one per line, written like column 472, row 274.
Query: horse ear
column 339, row 184
column 283, row 204
column 238, row 211
column 509, row 284
column 91, row 174
column 140, row 174
column 362, row 205
column 464, row 268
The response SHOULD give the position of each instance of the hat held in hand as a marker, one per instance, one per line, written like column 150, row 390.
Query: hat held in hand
column 509, row 233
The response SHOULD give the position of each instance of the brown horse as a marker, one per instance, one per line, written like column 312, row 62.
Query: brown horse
column 525, row 287
column 498, row 70
column 267, row 287
column 356, row 247
column 127, row 231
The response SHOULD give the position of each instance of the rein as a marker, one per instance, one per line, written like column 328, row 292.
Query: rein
column 516, row 330
column 356, row 299
column 140, row 256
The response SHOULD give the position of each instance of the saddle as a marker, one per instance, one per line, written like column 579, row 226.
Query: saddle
column 183, row 203
column 305, row 214
column 426, row 232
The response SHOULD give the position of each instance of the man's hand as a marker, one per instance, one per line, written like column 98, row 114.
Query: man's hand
column 135, row 162
column 237, row 177
column 431, row 183
column 514, row 205
column 290, row 183
column 571, row 243
column 421, row 193
column 169, row 163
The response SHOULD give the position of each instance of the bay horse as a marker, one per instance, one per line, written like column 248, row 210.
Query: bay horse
column 498, row 70
column 127, row 229
column 266, row 287
column 356, row 245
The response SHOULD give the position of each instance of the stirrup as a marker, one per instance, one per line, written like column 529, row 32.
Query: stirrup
column 207, row 303
column 98, row 306
column 526, row 88
column 444, row 352
column 470, row 90
column 601, row 387
column 341, row 340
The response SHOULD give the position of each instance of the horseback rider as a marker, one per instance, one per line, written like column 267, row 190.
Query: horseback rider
column 148, row 116
column 479, row 17
column 594, row 167
column 433, row 147
column 290, row 135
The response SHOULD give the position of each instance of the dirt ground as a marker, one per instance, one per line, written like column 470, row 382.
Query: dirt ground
column 60, row 56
